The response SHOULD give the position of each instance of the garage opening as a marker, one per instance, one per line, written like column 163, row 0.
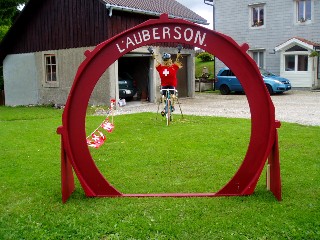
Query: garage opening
column 134, row 68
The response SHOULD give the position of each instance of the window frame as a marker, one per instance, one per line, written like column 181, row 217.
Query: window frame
column 52, row 66
column 296, row 61
column 252, row 23
column 261, row 59
column 303, row 20
column 259, row 51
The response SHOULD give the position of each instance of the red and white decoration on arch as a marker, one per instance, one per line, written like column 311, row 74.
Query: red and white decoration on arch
column 97, row 138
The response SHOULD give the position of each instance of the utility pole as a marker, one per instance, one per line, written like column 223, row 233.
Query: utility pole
column 212, row 3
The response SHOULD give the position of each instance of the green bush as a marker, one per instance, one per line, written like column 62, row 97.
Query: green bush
column 205, row 57
column 3, row 31
column 314, row 54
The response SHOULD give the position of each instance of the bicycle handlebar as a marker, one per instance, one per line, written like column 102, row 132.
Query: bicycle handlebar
column 168, row 89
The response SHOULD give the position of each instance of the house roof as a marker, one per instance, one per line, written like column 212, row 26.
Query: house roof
column 298, row 41
column 156, row 7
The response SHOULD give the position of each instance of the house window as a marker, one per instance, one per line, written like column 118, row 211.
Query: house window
column 257, row 15
column 296, row 62
column 51, row 67
column 290, row 62
column 258, row 57
column 50, row 70
column 303, row 10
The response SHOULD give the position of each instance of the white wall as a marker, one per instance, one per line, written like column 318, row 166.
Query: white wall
column 68, row 61
column 24, row 78
column 20, row 79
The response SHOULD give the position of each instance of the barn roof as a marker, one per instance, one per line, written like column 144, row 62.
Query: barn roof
column 156, row 7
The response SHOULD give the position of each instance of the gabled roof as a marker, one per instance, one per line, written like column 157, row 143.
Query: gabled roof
column 298, row 41
column 155, row 7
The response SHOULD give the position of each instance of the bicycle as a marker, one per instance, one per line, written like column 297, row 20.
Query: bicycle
column 168, row 100
column 169, row 108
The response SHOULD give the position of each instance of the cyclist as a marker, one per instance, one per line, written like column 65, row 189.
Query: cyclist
column 168, row 74
column 168, row 71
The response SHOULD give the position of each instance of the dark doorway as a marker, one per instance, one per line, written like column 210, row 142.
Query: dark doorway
column 138, row 67
column 182, row 76
column 2, row 97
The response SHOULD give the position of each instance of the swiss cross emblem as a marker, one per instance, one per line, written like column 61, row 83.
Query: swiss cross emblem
column 165, row 72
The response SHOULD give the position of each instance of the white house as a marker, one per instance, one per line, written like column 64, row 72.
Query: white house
column 281, row 34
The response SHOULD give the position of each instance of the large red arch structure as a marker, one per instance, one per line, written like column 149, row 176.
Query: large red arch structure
column 263, row 143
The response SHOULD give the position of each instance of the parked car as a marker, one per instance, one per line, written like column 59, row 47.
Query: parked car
column 127, row 86
column 227, row 82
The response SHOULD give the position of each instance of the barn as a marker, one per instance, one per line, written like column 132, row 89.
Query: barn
column 45, row 46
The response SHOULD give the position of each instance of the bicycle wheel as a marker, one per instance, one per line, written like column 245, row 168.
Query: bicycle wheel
column 168, row 115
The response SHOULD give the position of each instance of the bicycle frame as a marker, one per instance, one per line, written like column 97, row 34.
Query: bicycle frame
column 168, row 103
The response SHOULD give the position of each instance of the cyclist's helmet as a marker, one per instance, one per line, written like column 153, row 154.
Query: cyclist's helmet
column 166, row 56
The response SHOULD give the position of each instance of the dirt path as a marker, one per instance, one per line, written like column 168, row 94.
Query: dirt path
column 295, row 106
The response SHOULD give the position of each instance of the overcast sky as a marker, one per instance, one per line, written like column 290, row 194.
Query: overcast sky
column 200, row 8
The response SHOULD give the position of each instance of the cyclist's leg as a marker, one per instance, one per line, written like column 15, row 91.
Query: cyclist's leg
column 173, row 97
column 162, row 95
column 162, row 100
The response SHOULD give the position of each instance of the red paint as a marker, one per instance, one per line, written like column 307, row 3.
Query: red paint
column 263, row 140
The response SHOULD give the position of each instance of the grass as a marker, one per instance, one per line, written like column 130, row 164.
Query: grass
column 199, row 66
column 203, row 154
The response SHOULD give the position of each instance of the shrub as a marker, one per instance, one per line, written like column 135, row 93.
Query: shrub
column 205, row 57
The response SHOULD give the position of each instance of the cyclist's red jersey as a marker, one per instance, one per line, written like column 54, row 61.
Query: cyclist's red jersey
column 168, row 74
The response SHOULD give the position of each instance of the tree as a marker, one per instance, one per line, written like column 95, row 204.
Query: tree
column 9, row 10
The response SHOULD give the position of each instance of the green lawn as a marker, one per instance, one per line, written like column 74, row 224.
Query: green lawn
column 143, row 155
column 199, row 66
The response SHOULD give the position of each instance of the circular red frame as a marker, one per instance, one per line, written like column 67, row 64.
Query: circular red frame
column 263, row 122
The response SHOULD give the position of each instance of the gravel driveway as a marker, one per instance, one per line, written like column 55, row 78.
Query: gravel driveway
column 294, row 106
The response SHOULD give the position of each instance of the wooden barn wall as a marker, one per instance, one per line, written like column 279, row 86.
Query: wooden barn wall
column 62, row 24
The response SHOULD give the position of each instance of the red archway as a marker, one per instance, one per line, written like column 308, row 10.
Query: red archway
column 263, row 141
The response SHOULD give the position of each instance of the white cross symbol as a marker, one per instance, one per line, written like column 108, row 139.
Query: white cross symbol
column 166, row 72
